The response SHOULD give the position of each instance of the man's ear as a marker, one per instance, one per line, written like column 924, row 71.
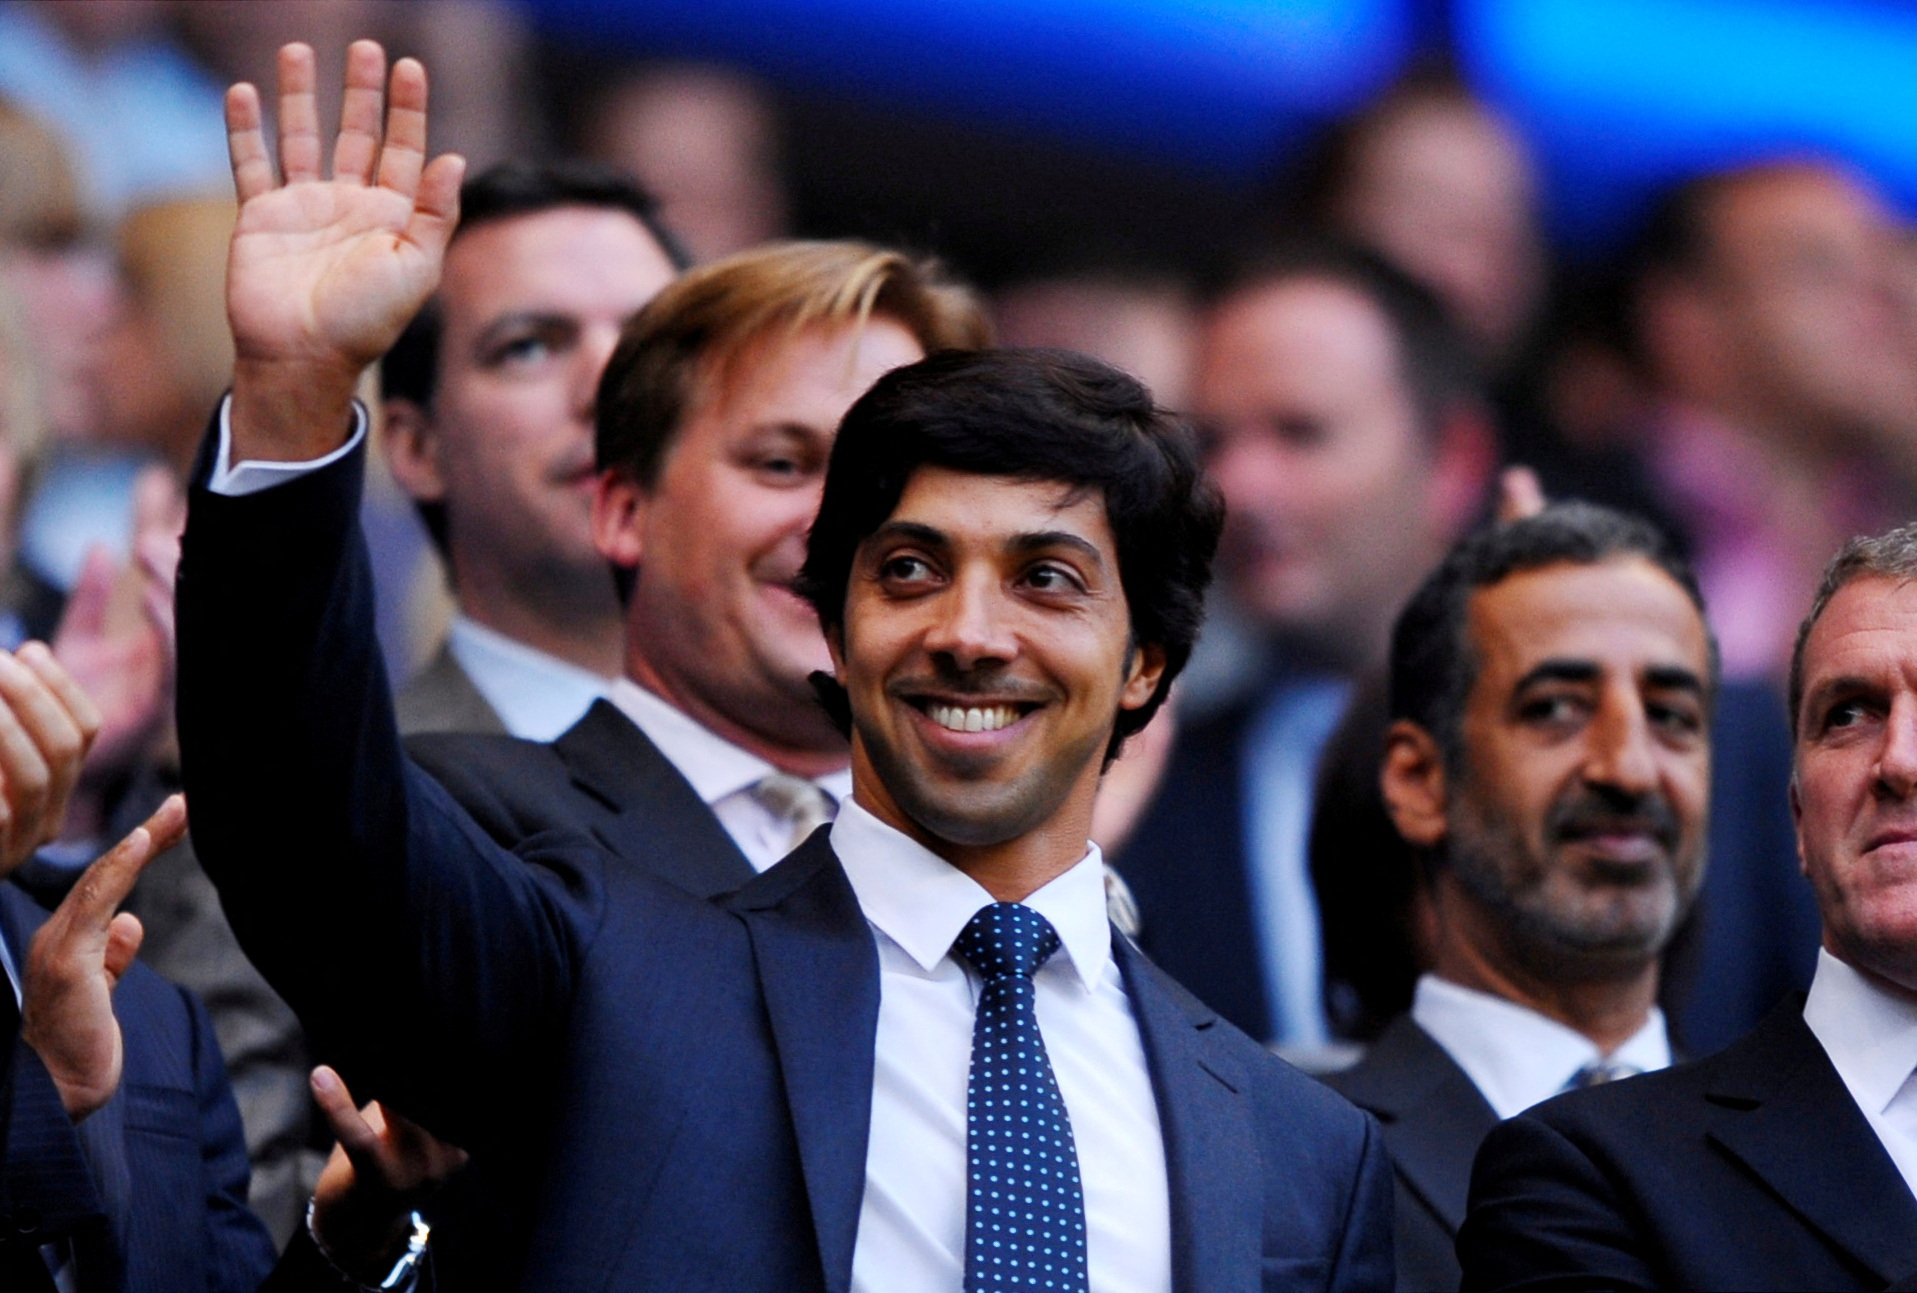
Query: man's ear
column 412, row 450
column 620, row 505
column 1797, row 824
column 1412, row 780
column 1461, row 469
column 1141, row 683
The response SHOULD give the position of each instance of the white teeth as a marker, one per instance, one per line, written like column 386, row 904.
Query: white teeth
column 988, row 718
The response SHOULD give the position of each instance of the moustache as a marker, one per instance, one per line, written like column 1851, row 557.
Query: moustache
column 948, row 680
column 1588, row 813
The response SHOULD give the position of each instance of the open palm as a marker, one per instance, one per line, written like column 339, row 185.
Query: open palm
column 324, row 273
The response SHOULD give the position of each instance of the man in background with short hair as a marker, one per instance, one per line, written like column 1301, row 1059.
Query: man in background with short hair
column 1344, row 428
column 488, row 426
column 1549, row 760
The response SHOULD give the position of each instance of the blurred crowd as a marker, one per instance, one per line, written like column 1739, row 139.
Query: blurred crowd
column 1392, row 355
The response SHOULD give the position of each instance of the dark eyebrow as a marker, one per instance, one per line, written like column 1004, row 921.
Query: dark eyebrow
column 1560, row 671
column 911, row 531
column 1674, row 677
column 1040, row 540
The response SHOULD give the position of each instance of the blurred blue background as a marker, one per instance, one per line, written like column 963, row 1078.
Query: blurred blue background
column 1616, row 96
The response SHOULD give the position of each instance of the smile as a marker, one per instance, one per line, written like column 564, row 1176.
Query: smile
column 974, row 718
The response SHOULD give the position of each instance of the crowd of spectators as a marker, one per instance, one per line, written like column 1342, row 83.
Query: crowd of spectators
column 1391, row 360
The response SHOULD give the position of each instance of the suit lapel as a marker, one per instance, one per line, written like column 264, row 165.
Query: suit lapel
column 660, row 817
column 1210, row 1145
column 1433, row 1118
column 1796, row 1126
column 819, row 973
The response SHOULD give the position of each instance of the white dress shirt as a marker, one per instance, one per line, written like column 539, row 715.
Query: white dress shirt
column 536, row 695
column 723, row 774
column 1515, row 1056
column 912, row 1220
column 1870, row 1034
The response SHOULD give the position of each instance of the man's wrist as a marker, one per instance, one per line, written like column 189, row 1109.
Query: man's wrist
column 286, row 411
column 391, row 1264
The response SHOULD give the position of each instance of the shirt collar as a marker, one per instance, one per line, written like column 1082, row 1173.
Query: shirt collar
column 715, row 766
column 922, row 902
column 536, row 694
column 1869, row 1032
column 1515, row 1056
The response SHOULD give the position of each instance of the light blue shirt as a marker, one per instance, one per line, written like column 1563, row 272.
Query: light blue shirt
column 1282, row 749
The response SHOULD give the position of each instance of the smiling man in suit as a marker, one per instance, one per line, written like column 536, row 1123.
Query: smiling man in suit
column 1788, row 1160
column 1549, row 759
column 768, row 1092
column 716, row 416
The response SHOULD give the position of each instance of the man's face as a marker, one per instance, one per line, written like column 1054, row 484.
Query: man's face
column 532, row 307
column 1803, row 265
column 714, row 624
column 1577, row 814
column 1314, row 442
column 1854, row 794
column 986, row 650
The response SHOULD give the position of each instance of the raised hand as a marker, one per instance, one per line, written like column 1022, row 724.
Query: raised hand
column 76, row 961
column 382, row 1168
column 324, row 273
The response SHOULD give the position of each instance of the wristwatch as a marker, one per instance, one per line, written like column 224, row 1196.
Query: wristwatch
column 405, row 1272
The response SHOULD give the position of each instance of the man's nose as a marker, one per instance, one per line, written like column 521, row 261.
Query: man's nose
column 596, row 345
column 1621, row 754
column 970, row 626
column 1897, row 760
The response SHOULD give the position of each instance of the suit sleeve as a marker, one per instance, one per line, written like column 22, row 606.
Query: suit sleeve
column 1543, row 1216
column 429, row 964
column 1364, row 1259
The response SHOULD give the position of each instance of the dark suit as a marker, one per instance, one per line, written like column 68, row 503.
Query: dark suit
column 601, row 778
column 1752, row 1169
column 686, row 1084
column 1433, row 1120
column 149, row 1190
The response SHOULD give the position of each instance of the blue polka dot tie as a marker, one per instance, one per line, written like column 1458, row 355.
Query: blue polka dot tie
column 1024, row 1211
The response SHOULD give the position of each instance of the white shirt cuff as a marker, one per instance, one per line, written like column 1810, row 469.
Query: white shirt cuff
column 237, row 478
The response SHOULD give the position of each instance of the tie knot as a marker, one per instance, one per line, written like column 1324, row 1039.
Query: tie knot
column 802, row 806
column 1598, row 1072
column 1006, row 939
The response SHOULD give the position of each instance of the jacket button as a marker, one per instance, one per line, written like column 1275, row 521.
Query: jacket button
column 27, row 1220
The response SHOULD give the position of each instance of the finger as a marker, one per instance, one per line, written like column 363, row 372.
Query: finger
column 404, row 157
column 47, row 666
column 107, row 882
column 355, row 1135
column 124, row 935
column 358, row 144
column 54, row 730
column 436, row 209
column 24, row 775
column 299, row 114
column 1520, row 494
column 246, row 143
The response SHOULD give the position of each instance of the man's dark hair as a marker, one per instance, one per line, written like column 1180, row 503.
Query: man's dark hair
column 1432, row 665
column 1434, row 360
column 410, row 370
column 1031, row 415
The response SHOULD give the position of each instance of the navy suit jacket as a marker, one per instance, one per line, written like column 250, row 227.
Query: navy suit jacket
column 1752, row 1169
column 1434, row 1119
column 150, row 1189
column 686, row 1083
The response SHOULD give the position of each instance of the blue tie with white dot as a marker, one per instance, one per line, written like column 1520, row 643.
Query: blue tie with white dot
column 1024, row 1210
